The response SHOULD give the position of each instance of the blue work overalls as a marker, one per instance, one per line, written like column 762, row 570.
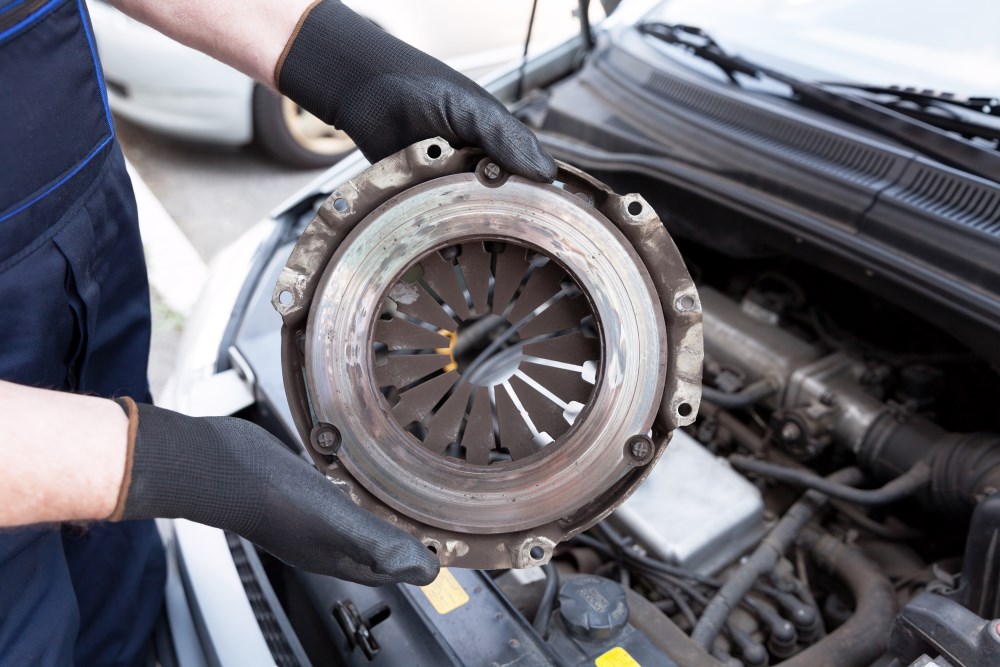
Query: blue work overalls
column 74, row 315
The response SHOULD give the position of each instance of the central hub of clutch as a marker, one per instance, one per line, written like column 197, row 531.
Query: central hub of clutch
column 489, row 363
column 486, row 352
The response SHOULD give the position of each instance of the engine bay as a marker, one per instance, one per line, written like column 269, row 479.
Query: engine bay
column 833, row 504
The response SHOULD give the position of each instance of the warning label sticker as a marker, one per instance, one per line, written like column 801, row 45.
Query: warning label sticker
column 445, row 593
column 616, row 657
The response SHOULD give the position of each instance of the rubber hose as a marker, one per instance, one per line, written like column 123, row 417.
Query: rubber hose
column 763, row 559
column 742, row 399
column 966, row 469
column 863, row 638
column 739, row 431
column 902, row 487
column 857, row 643
column 665, row 634
column 545, row 608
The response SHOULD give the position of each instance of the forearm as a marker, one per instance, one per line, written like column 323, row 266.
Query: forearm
column 349, row 73
column 62, row 456
column 246, row 34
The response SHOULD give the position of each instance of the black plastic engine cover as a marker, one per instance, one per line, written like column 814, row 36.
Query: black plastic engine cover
column 460, row 619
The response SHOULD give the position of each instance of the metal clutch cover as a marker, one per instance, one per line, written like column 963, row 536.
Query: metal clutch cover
column 489, row 363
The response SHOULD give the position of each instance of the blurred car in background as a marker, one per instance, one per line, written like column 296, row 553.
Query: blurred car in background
column 165, row 86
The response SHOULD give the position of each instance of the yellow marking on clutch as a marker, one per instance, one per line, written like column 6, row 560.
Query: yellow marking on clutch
column 450, row 350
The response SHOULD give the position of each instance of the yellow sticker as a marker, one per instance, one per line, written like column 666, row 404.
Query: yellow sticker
column 445, row 593
column 616, row 657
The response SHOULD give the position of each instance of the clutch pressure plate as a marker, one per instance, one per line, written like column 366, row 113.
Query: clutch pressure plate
column 489, row 363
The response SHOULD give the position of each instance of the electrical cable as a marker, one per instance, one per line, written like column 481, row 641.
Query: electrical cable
column 682, row 606
column 680, row 586
column 672, row 582
column 624, row 577
column 902, row 487
column 887, row 531
column 547, row 605
column 741, row 399
column 623, row 549
column 763, row 559
column 857, row 642
column 740, row 432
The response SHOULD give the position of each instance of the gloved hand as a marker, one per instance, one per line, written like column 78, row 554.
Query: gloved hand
column 232, row 474
column 387, row 95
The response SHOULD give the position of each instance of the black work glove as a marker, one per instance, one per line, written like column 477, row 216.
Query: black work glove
column 387, row 95
column 232, row 474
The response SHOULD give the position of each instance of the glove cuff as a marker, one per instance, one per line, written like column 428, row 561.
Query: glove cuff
column 132, row 412
column 332, row 62
column 291, row 40
column 317, row 61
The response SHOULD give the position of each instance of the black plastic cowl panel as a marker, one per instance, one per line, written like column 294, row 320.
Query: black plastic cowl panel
column 923, row 234
column 842, row 157
column 947, row 218
column 749, row 141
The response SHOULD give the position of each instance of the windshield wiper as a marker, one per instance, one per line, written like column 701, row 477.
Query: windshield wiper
column 989, row 106
column 696, row 41
column 972, row 117
column 933, row 136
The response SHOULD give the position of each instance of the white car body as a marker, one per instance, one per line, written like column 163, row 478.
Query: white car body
column 166, row 86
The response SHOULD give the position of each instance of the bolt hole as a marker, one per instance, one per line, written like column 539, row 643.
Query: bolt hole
column 684, row 409
column 433, row 151
column 433, row 549
column 634, row 208
column 686, row 302
column 285, row 298
column 536, row 553
column 340, row 204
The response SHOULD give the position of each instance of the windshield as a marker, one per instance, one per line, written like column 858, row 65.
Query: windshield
column 948, row 47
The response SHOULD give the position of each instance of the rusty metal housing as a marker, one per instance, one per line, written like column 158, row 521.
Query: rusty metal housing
column 489, row 363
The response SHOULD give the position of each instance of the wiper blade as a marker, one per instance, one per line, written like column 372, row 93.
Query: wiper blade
column 696, row 41
column 917, row 133
column 971, row 117
column 989, row 106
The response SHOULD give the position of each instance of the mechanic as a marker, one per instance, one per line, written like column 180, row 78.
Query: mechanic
column 74, row 317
